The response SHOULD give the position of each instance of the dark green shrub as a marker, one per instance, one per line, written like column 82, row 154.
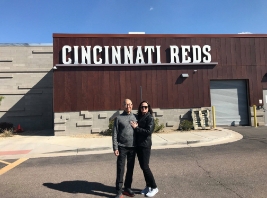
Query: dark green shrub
column 5, row 126
column 1, row 98
column 108, row 132
column 158, row 127
column 186, row 125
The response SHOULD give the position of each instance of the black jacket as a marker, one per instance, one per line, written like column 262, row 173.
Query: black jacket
column 144, row 130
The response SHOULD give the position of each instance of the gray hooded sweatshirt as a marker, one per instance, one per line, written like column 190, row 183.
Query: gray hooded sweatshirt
column 123, row 133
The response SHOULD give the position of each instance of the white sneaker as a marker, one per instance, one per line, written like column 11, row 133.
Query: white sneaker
column 145, row 191
column 152, row 192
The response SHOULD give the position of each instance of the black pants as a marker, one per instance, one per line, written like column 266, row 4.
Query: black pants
column 129, row 154
column 143, row 154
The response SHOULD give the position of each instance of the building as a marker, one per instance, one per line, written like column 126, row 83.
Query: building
column 26, row 82
column 92, row 74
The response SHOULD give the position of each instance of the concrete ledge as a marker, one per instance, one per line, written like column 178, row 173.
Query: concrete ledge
column 96, row 130
column 88, row 116
column 84, row 112
column 59, row 128
column 102, row 115
column 25, row 87
column 159, row 113
column 84, row 123
column 2, row 109
column 258, row 114
column 20, row 92
column 31, row 86
column 59, row 121
column 6, row 60
column 6, row 76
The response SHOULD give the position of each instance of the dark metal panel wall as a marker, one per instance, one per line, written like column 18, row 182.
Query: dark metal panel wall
column 104, row 88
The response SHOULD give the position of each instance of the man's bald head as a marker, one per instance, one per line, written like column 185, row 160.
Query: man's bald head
column 127, row 101
column 128, row 105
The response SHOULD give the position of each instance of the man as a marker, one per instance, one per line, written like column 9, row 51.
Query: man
column 123, row 147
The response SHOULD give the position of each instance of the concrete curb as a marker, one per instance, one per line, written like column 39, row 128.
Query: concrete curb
column 69, row 146
column 232, row 137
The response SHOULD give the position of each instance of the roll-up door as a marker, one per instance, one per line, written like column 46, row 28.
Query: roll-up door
column 230, row 100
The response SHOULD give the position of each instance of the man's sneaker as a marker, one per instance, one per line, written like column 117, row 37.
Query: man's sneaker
column 119, row 195
column 128, row 192
column 145, row 191
column 152, row 192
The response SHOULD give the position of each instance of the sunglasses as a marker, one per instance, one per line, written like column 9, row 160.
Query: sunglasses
column 144, row 107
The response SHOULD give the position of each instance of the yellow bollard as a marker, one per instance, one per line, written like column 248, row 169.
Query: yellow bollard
column 213, row 117
column 255, row 116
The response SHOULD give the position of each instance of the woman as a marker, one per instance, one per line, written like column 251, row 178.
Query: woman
column 143, row 131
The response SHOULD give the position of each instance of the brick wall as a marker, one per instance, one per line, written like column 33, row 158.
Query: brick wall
column 86, row 122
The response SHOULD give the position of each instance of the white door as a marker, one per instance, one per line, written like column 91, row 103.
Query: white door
column 230, row 100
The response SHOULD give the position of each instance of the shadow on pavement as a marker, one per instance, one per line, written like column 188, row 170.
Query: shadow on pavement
column 93, row 188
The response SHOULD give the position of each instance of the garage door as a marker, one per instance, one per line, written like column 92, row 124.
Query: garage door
column 230, row 100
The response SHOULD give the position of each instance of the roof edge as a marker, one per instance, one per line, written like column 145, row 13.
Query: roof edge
column 63, row 35
column 27, row 44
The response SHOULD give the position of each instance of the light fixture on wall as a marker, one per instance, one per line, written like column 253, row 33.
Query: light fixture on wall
column 54, row 67
column 185, row 75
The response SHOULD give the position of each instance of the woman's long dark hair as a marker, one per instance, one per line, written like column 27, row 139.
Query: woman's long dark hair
column 139, row 113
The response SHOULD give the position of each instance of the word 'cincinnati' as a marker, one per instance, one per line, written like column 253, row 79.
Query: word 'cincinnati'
column 189, row 54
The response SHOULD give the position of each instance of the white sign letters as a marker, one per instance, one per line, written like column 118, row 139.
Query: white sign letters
column 131, row 55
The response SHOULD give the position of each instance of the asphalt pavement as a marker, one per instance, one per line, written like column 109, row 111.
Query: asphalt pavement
column 37, row 145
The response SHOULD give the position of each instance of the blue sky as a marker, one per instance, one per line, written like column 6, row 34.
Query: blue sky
column 34, row 21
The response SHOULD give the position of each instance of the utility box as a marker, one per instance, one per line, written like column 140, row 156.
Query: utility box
column 201, row 118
